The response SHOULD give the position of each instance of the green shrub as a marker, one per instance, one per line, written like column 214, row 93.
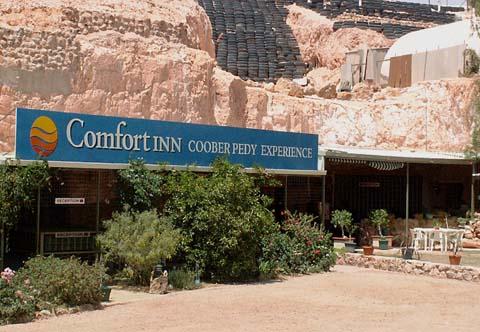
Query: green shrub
column 342, row 219
column 18, row 189
column 55, row 282
column 301, row 248
column 140, row 188
column 140, row 240
column 472, row 62
column 278, row 255
column 15, row 306
column 181, row 279
column 379, row 219
column 223, row 217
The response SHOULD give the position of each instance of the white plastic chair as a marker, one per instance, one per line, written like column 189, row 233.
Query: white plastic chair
column 436, row 237
column 455, row 240
column 418, row 239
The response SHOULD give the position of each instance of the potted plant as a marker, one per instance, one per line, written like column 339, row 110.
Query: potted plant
column 454, row 258
column 350, row 245
column 367, row 249
column 342, row 219
column 379, row 219
column 436, row 223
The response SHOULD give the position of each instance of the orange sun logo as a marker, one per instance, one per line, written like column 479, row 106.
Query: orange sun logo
column 43, row 136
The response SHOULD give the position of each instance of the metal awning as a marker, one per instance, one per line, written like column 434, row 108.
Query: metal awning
column 418, row 157
column 10, row 158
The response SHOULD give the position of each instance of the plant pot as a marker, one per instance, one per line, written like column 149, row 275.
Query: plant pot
column 377, row 238
column 106, row 290
column 350, row 247
column 454, row 259
column 367, row 250
column 339, row 242
column 407, row 253
column 383, row 244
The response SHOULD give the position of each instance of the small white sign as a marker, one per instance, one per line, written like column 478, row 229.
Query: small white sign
column 69, row 200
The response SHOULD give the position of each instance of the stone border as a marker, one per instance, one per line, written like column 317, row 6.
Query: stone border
column 436, row 270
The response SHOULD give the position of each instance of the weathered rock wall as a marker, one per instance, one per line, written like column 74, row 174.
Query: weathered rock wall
column 106, row 59
column 320, row 45
column 432, row 116
column 154, row 59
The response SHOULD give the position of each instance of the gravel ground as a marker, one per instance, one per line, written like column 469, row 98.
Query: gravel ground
column 348, row 299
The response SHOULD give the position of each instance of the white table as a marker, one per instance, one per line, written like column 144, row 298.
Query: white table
column 444, row 235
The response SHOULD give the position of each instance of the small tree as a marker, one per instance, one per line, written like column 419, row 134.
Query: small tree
column 18, row 189
column 379, row 219
column 140, row 187
column 140, row 240
column 342, row 219
column 351, row 228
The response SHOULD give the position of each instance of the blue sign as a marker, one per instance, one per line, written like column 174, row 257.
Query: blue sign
column 70, row 137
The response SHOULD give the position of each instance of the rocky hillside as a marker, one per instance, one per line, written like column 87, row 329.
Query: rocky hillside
column 156, row 59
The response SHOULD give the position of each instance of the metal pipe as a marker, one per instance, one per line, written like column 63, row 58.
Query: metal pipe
column 407, row 204
column 38, row 221
column 2, row 244
column 97, row 226
column 472, row 189
column 323, row 201
column 286, row 193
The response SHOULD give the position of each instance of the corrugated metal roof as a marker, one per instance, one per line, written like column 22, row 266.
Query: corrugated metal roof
column 420, row 157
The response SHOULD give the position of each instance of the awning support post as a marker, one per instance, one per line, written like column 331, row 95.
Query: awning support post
column 472, row 190
column 97, row 224
column 38, row 221
column 323, row 201
column 407, row 204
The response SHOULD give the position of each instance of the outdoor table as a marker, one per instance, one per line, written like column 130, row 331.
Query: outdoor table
column 444, row 235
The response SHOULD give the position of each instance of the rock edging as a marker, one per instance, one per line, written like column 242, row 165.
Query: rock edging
column 436, row 270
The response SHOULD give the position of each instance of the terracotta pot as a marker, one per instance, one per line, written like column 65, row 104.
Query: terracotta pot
column 367, row 250
column 454, row 259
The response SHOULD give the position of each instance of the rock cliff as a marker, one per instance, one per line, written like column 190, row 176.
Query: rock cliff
column 155, row 59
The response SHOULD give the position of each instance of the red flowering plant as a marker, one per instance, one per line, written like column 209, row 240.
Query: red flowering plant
column 301, row 246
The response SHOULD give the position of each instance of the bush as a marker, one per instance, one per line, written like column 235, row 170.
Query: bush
column 379, row 219
column 472, row 62
column 344, row 220
column 140, row 240
column 55, row 282
column 181, row 279
column 140, row 188
column 15, row 306
column 301, row 248
column 224, row 218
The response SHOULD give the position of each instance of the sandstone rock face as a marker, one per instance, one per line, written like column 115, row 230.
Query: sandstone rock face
column 433, row 116
column 323, row 82
column 230, row 99
column 320, row 45
column 147, row 59
column 155, row 59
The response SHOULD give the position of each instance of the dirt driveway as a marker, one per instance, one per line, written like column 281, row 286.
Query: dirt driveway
column 348, row 299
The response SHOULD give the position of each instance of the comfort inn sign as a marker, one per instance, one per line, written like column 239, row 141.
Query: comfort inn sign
column 70, row 137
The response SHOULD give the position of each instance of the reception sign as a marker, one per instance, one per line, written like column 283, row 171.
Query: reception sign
column 70, row 137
